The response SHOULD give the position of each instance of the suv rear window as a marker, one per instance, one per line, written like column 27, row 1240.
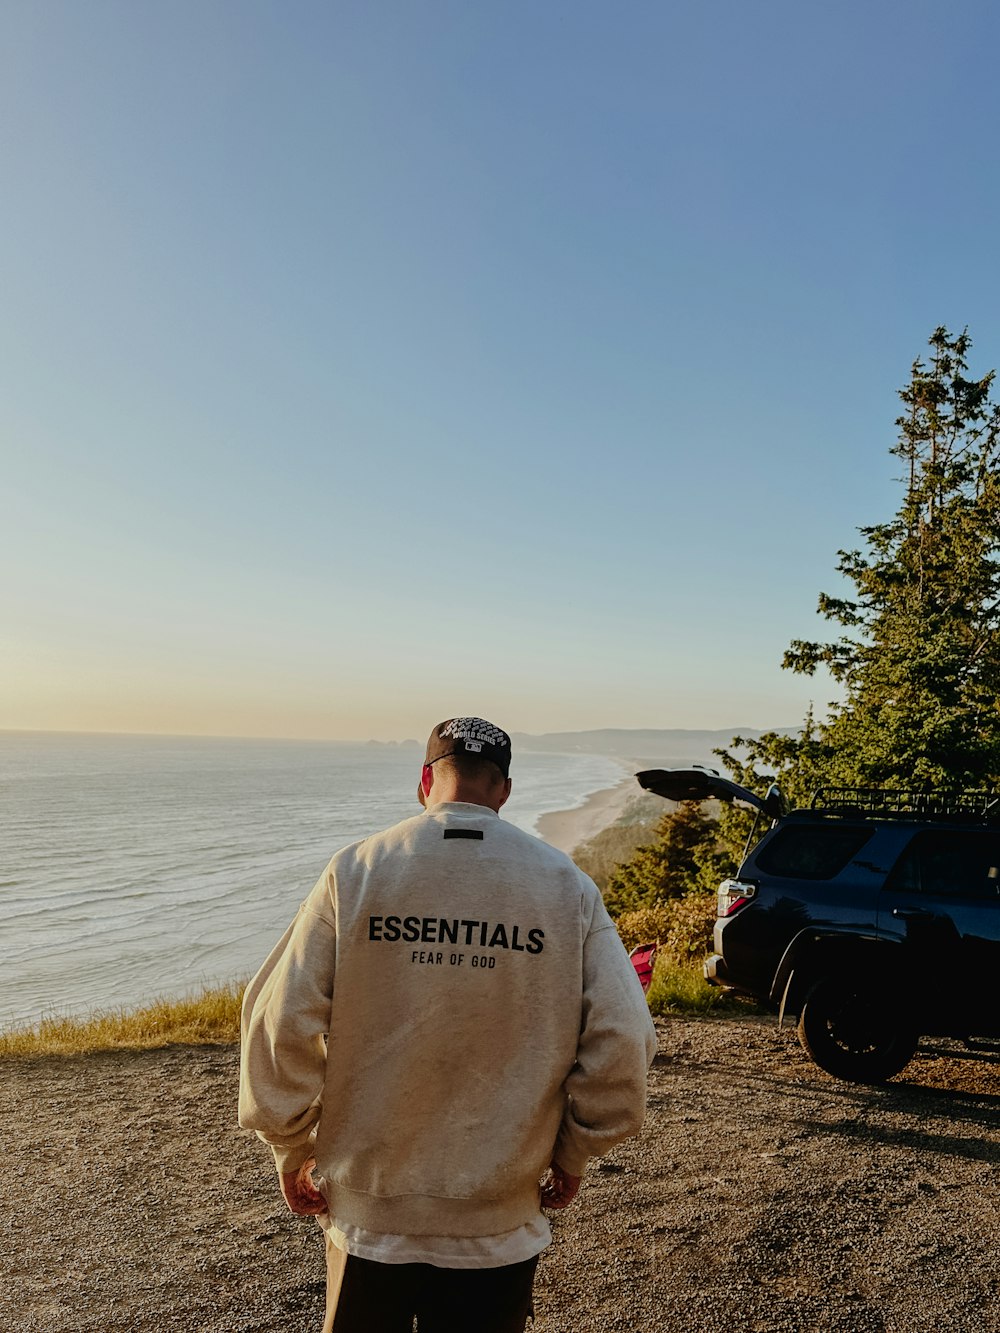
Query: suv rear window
column 811, row 851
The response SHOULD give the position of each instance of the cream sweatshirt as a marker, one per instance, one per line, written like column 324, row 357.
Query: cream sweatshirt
column 450, row 1009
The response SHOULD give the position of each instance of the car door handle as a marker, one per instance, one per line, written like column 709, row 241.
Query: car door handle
column 911, row 913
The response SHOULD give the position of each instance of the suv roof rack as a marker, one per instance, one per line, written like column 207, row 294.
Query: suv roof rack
column 976, row 805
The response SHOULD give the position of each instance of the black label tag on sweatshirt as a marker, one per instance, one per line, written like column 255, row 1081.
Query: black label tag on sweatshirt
column 464, row 833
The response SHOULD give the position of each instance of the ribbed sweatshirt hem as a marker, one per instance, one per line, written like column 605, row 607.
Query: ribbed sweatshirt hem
column 430, row 1215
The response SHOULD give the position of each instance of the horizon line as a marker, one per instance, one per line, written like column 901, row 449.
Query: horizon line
column 338, row 740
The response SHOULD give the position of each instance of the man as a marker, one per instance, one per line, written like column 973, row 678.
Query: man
column 450, row 1015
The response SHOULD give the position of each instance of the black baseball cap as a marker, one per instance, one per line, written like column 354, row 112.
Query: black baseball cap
column 472, row 736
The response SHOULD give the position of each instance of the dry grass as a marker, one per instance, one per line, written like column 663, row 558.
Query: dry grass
column 213, row 1016
column 678, row 987
column 199, row 1019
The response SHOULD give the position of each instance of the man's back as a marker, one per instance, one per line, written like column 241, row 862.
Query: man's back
column 450, row 1015
column 462, row 954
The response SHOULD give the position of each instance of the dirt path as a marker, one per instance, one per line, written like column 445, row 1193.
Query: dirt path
column 761, row 1195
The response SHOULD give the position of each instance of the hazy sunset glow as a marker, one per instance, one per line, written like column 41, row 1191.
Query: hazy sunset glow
column 364, row 364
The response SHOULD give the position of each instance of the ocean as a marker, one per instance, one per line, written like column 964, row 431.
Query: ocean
column 139, row 866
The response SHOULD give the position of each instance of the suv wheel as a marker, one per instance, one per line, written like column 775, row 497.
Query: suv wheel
column 854, row 1032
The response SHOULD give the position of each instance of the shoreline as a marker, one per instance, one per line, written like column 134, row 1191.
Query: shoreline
column 567, row 829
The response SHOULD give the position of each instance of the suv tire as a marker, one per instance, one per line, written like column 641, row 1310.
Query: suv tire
column 854, row 1031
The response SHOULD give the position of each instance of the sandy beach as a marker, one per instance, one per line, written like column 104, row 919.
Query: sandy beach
column 567, row 829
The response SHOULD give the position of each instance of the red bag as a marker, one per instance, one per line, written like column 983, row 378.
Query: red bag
column 643, row 957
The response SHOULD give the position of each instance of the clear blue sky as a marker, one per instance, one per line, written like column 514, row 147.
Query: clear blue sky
column 364, row 363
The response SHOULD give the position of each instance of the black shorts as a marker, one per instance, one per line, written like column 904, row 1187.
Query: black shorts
column 383, row 1298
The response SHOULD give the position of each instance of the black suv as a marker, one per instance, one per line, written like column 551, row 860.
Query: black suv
column 874, row 916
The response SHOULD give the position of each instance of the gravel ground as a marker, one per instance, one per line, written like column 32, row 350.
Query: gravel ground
column 761, row 1195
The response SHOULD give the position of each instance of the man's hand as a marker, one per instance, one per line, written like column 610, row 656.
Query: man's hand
column 300, row 1193
column 559, row 1187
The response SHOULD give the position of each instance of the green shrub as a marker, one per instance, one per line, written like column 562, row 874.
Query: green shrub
column 681, row 926
column 646, row 925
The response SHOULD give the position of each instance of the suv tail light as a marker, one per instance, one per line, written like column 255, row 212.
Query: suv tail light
column 733, row 893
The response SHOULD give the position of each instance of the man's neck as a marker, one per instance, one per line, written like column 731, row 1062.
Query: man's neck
column 463, row 795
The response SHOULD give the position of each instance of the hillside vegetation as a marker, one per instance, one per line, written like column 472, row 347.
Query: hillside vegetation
column 917, row 664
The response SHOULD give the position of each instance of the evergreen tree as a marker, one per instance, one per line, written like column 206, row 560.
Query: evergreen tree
column 685, row 858
column 919, row 660
column 920, row 663
column 799, row 764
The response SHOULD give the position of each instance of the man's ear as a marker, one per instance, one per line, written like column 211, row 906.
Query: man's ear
column 506, row 792
column 426, row 783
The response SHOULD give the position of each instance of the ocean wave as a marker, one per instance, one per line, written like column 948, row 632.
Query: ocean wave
column 133, row 866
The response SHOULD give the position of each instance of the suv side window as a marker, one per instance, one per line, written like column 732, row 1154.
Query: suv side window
column 950, row 863
column 812, row 851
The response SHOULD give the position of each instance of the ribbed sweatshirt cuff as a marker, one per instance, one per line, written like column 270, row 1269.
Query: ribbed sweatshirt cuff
column 290, row 1159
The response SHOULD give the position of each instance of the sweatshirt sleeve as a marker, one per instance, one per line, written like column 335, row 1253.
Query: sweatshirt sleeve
column 607, row 1086
column 286, row 1016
